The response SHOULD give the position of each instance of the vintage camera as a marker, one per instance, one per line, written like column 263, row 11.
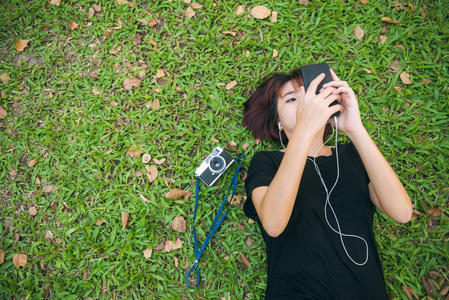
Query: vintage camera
column 213, row 166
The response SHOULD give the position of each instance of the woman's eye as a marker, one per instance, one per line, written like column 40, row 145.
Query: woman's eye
column 291, row 100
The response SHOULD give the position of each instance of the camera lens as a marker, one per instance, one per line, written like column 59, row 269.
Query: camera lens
column 217, row 164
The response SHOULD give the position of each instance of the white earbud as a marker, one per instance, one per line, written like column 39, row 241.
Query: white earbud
column 279, row 125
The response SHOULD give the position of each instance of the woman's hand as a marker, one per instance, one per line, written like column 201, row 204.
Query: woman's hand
column 349, row 120
column 313, row 110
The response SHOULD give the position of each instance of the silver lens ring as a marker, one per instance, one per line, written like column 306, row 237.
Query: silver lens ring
column 217, row 164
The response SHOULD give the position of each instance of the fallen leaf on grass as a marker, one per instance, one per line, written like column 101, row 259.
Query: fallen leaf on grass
column 5, row 78
column 152, row 173
column 390, row 20
column 144, row 198
column 134, row 151
column 189, row 12
column 245, row 146
column 244, row 260
column 85, row 276
column 131, row 83
column 125, row 218
column 304, row 2
column 21, row 45
column 230, row 85
column 427, row 286
column 176, row 194
column 274, row 16
column 146, row 158
column 405, row 78
column 55, row 2
column 363, row 1
column 125, row 2
column 395, row 66
column 20, row 260
column 160, row 73
column 260, row 12
column 368, row 71
column 426, row 80
column 96, row 92
column 99, row 222
column 159, row 161
column 275, row 53
column 233, row 33
column 169, row 245
column 196, row 5
column 147, row 253
column 49, row 234
column 435, row 212
column 179, row 224
column 114, row 104
column 423, row 14
column 49, row 189
column 240, row 9
column 32, row 163
column 73, row 25
column 444, row 291
column 152, row 23
column 358, row 32
column 2, row 257
column 383, row 39
column 32, row 211
column 116, row 50
column 3, row 113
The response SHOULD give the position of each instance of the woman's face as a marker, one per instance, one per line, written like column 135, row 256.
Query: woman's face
column 287, row 105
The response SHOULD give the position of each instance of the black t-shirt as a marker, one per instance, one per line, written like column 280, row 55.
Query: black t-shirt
column 308, row 260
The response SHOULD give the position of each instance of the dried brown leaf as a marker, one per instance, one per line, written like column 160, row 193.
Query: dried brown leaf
column 160, row 73
column 245, row 146
column 358, row 32
column 383, row 39
column 2, row 257
column 189, row 12
column 275, row 53
column 146, row 158
column 399, row 47
column 49, row 234
column 390, row 20
column 96, row 92
column 412, row 7
column 85, row 276
column 21, row 45
column 55, row 2
column 405, row 78
column 159, row 161
column 368, row 71
column 134, row 151
column 435, row 212
column 152, row 23
column 116, row 50
column 230, row 85
column 125, row 218
column 131, row 83
column 423, row 14
column 196, row 5
column 179, row 224
column 114, row 104
column 240, row 9
column 99, row 222
column 395, row 66
column 144, row 198
column 429, row 289
column 176, row 194
column 274, row 16
column 363, row 1
column 444, row 291
column 97, row 8
column 426, row 80
column 152, row 173
column 169, row 245
column 20, row 260
column 147, row 253
column 32, row 163
column 244, row 260
column 47, row 189
column 32, row 211
column 215, row 140
column 3, row 113
column 233, row 33
column 125, row 2
column 5, row 78
column 407, row 291
column 304, row 2
column 73, row 25
column 260, row 12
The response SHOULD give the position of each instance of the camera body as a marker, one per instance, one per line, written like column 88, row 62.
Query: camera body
column 214, row 166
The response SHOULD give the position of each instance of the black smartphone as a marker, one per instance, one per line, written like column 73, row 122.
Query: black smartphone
column 310, row 72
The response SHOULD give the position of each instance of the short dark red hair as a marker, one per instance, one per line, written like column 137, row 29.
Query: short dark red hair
column 260, row 114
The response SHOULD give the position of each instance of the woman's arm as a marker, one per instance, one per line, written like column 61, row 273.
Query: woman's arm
column 386, row 190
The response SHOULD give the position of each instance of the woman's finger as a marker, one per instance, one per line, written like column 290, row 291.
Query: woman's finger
column 336, row 84
column 334, row 76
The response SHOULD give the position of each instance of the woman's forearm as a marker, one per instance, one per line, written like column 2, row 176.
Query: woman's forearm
column 389, row 193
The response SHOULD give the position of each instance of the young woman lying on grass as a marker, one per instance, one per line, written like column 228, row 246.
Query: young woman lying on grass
column 319, row 237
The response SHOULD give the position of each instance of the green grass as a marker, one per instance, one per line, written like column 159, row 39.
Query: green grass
column 81, row 141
